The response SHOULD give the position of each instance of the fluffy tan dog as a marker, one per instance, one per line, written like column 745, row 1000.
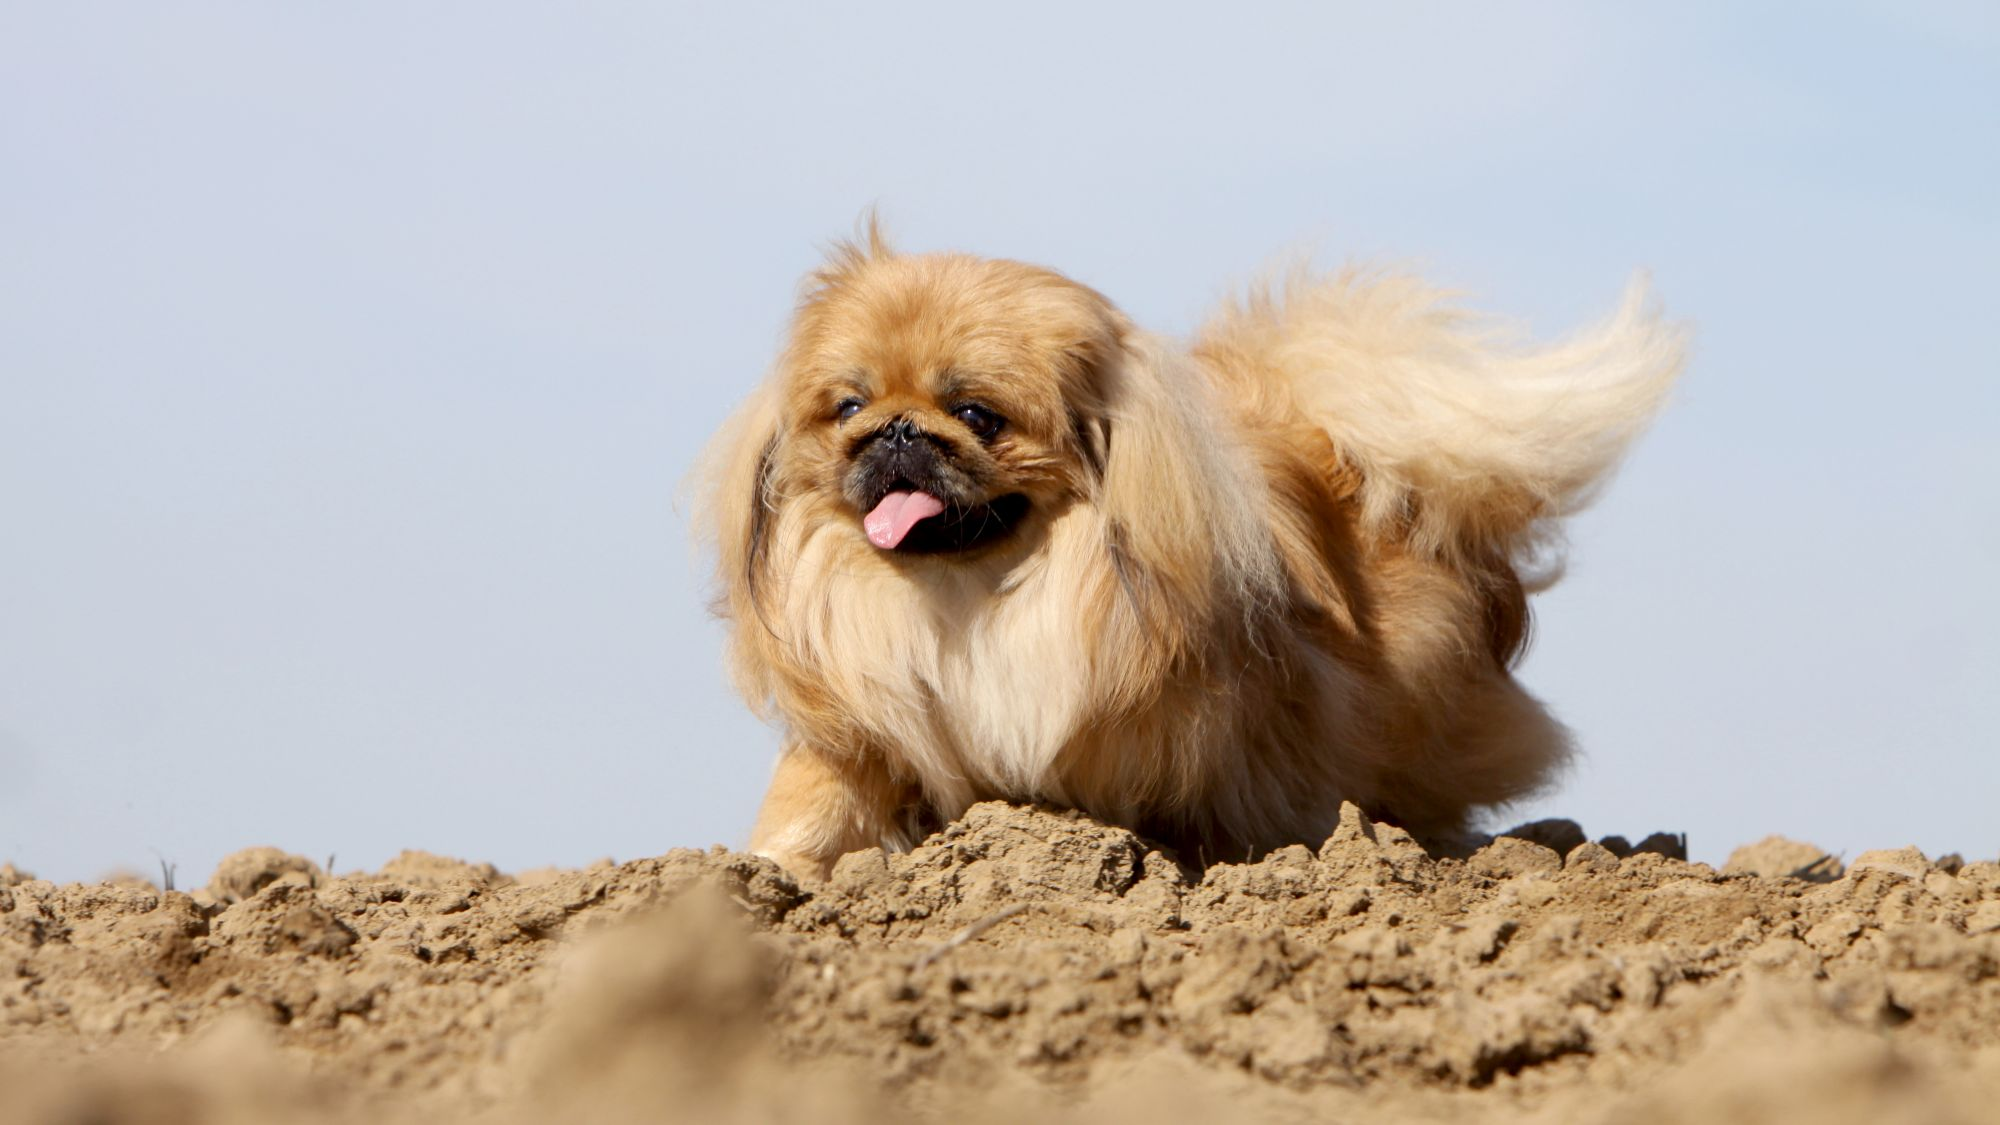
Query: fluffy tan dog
column 981, row 537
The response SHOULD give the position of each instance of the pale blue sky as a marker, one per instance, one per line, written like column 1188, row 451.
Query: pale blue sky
column 351, row 355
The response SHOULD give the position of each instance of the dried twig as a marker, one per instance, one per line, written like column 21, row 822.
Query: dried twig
column 967, row 934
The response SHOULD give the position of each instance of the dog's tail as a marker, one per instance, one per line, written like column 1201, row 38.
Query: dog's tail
column 1466, row 442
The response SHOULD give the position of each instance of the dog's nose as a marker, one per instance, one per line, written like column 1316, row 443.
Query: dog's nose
column 900, row 432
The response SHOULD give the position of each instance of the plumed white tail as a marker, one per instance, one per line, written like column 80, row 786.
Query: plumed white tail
column 1466, row 440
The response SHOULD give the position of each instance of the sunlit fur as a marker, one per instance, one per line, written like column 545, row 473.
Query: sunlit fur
column 1274, row 569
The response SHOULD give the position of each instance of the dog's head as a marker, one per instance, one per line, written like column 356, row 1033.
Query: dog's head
column 942, row 414
column 941, row 404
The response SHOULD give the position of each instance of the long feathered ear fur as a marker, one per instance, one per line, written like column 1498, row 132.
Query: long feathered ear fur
column 738, row 502
column 1183, row 508
column 1467, row 443
column 739, row 496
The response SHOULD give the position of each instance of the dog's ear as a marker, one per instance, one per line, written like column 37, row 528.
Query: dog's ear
column 739, row 501
column 740, row 493
column 1183, row 515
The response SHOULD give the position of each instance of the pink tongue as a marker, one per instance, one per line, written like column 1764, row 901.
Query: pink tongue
column 897, row 514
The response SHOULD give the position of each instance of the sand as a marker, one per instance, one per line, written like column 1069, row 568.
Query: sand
column 1022, row 964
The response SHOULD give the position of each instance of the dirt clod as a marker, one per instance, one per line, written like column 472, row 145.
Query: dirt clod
column 1775, row 857
column 242, row 874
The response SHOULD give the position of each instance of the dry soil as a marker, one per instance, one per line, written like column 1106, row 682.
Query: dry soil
column 1022, row 964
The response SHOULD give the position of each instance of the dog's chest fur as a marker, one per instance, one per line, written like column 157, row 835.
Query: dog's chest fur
column 974, row 683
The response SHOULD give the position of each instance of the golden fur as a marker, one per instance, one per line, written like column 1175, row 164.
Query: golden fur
column 1278, row 568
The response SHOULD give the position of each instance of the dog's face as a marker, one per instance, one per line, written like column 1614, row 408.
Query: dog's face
column 942, row 405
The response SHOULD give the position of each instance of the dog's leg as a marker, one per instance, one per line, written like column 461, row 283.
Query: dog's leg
column 820, row 807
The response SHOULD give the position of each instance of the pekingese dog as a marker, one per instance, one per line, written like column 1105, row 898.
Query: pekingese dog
column 980, row 537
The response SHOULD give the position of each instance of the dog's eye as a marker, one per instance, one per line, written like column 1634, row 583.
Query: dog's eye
column 982, row 422
column 848, row 408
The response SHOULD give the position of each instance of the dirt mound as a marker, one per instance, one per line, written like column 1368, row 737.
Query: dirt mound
column 1021, row 959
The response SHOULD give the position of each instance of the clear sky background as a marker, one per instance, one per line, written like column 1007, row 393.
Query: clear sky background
column 351, row 357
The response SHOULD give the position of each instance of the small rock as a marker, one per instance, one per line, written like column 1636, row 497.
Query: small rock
column 1562, row 836
column 1530, row 892
column 125, row 878
column 422, row 869
column 1983, row 874
column 1591, row 857
column 1775, row 857
column 1292, row 855
column 1126, row 947
column 1354, row 829
column 856, row 871
column 1778, row 951
column 1943, row 886
column 285, row 916
column 1673, row 845
column 1985, row 919
column 1508, row 856
column 242, row 874
column 1833, row 935
column 1481, row 939
column 1368, row 851
column 1906, row 862
column 1397, row 843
